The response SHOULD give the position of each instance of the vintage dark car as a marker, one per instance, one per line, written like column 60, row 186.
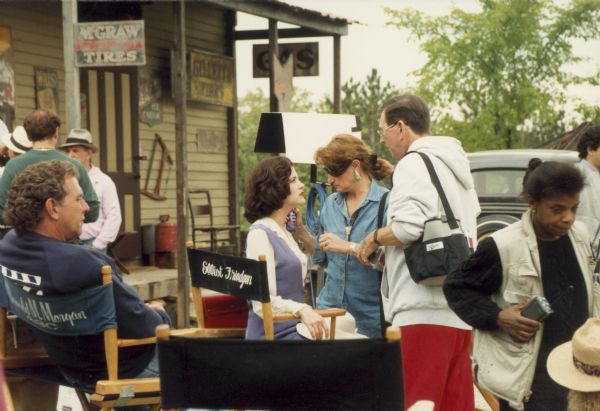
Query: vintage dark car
column 498, row 176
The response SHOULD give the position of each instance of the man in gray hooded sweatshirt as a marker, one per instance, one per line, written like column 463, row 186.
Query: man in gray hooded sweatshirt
column 435, row 342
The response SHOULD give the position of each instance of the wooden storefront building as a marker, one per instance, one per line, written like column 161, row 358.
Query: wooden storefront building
column 127, row 106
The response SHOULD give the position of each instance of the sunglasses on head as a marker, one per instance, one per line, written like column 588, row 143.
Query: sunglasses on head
column 338, row 169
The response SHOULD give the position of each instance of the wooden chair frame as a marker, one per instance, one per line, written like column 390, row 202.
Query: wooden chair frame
column 206, row 209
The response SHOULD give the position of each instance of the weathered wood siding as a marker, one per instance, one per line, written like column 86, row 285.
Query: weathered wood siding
column 37, row 41
column 206, row 30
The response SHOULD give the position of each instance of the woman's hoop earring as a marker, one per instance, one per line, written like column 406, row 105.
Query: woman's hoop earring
column 357, row 176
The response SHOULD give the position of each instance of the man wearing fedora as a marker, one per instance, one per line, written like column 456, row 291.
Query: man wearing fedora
column 104, row 230
column 42, row 128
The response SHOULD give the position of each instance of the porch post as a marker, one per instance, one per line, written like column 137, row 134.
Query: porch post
column 72, row 104
column 273, row 51
column 179, row 87
column 337, row 72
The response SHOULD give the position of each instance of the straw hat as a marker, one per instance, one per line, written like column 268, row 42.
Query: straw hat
column 79, row 137
column 17, row 141
column 576, row 364
column 345, row 328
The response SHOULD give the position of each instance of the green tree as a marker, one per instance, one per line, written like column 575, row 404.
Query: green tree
column 365, row 99
column 497, row 78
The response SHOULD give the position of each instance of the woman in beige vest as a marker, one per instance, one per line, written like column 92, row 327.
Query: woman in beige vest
column 545, row 255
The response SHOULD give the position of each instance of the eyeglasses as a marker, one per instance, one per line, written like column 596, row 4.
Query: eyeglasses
column 380, row 132
column 338, row 169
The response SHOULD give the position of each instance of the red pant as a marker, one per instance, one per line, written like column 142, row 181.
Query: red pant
column 437, row 367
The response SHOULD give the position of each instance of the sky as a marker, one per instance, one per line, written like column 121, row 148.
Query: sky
column 372, row 44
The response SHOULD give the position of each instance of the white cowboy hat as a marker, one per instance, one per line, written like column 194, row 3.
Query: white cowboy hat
column 576, row 364
column 345, row 329
column 17, row 141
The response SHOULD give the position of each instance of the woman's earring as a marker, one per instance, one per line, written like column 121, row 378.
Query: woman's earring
column 357, row 176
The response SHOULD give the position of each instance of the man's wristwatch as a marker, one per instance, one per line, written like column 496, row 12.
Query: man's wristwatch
column 375, row 240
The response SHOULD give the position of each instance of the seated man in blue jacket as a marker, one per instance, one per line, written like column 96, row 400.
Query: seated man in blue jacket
column 46, row 209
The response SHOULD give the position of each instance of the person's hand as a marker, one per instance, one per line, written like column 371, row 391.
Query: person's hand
column 315, row 323
column 366, row 247
column 519, row 327
column 331, row 243
column 159, row 304
column 302, row 235
column 299, row 220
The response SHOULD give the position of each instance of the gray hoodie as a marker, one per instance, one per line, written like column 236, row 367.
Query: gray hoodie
column 414, row 200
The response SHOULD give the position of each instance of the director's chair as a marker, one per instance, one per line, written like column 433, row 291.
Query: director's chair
column 364, row 374
column 41, row 312
column 243, row 278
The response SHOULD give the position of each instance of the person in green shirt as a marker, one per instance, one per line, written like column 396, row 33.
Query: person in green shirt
column 42, row 127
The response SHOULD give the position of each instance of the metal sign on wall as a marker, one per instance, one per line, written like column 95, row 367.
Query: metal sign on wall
column 149, row 101
column 306, row 58
column 211, row 78
column 110, row 43
column 46, row 88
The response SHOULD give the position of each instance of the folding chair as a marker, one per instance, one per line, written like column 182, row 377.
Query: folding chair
column 363, row 374
column 201, row 216
column 66, row 315
column 243, row 278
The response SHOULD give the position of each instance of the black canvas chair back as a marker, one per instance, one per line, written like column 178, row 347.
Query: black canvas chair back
column 241, row 277
column 281, row 375
column 235, row 276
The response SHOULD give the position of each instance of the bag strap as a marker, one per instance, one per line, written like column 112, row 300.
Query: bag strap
column 438, row 186
column 382, row 202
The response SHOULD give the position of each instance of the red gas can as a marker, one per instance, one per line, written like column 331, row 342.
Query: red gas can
column 166, row 235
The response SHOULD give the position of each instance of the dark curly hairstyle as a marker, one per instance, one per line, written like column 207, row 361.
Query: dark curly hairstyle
column 31, row 188
column 41, row 124
column 548, row 179
column 267, row 186
column 344, row 147
column 409, row 108
column 589, row 139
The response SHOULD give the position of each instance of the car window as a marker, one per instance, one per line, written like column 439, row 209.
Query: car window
column 498, row 183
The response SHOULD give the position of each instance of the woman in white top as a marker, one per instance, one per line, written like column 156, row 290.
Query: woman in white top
column 273, row 189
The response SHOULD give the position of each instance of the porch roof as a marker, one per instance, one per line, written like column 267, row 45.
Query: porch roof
column 313, row 22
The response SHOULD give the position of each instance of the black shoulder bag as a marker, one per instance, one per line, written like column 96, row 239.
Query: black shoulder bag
column 443, row 246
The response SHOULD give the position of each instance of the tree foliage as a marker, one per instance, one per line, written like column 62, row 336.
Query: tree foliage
column 497, row 78
column 365, row 100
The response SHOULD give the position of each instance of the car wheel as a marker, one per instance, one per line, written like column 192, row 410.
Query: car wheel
column 488, row 224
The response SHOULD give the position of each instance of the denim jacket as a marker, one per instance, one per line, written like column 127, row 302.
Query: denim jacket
column 350, row 284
